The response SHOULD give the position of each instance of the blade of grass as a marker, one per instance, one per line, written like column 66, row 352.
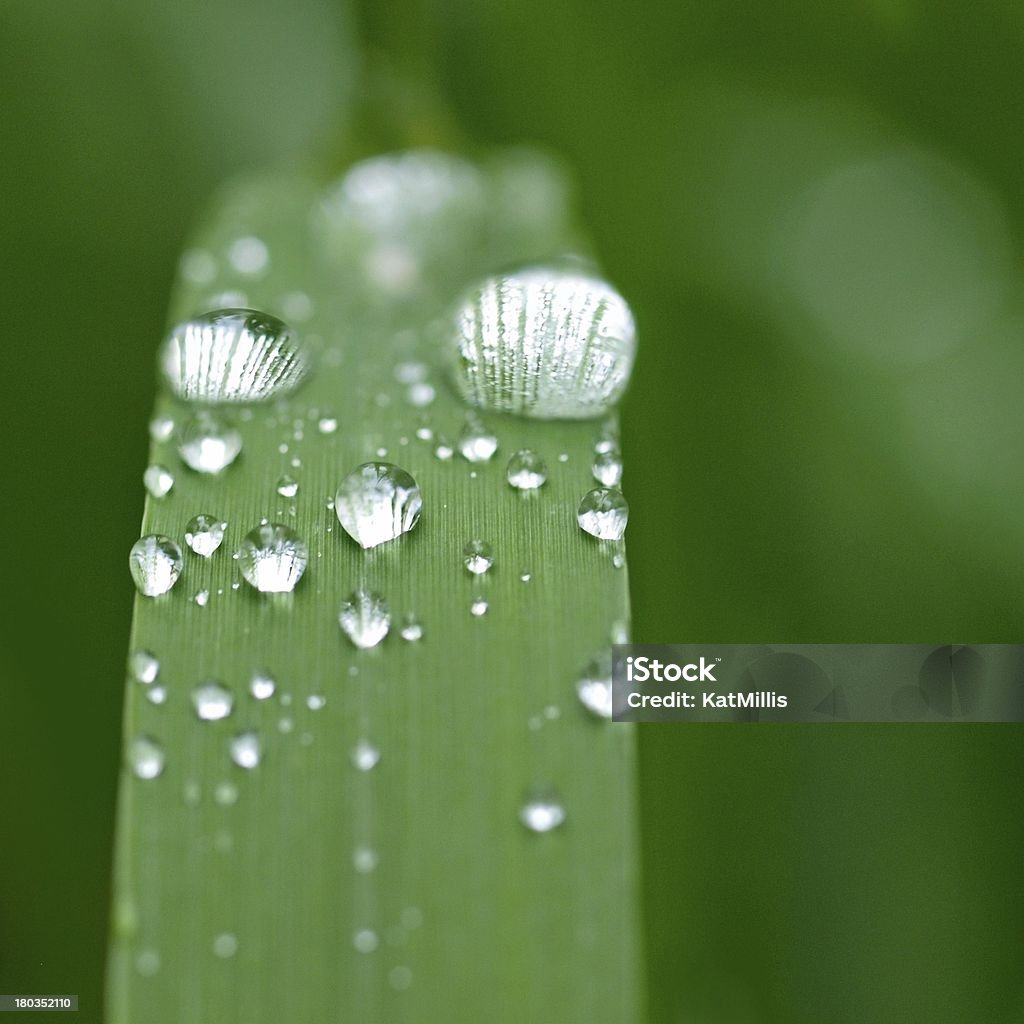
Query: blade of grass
column 473, row 917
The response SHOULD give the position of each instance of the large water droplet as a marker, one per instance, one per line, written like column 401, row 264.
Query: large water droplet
column 207, row 444
column 542, row 813
column 476, row 442
column 365, row 619
column 478, row 557
column 146, row 757
column 158, row 480
column 544, row 343
column 607, row 467
column 603, row 513
column 365, row 755
column 377, row 502
column 246, row 750
column 212, row 701
column 272, row 558
column 204, row 534
column 144, row 666
column 233, row 355
column 594, row 687
column 526, row 470
column 155, row 563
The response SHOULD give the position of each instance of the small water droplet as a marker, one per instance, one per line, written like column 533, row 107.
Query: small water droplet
column 618, row 560
column 144, row 666
column 287, row 486
column 526, row 470
column 191, row 793
column 478, row 557
column 412, row 918
column 226, row 794
column 400, row 978
column 365, row 619
column 364, row 859
column 443, row 449
column 315, row 701
column 424, row 433
column 202, row 598
column 410, row 372
column 542, row 813
column 156, row 694
column 204, row 534
column 607, row 467
column 603, row 513
column 225, row 945
column 594, row 687
column 249, row 256
column 161, row 428
column 297, row 307
column 147, row 963
column 365, row 941
column 327, row 424
column 197, row 266
column 365, row 755
column 377, row 502
column 212, row 701
column 246, row 750
column 208, row 444
column 412, row 628
column 158, row 480
column 420, row 395
column 155, row 562
column 285, row 725
column 476, row 442
column 262, row 685
column 146, row 757
column 550, row 344
column 272, row 558
column 620, row 632
column 233, row 355
column 479, row 607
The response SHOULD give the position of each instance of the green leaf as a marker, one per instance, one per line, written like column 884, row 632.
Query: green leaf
column 474, row 917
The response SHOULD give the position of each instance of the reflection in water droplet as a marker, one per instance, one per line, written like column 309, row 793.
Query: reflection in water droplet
column 365, row 941
column 208, row 444
column 204, row 534
column 603, row 513
column 144, row 666
column 246, row 750
column 526, row 470
column 262, row 685
column 594, row 687
column 225, row 945
column 287, row 486
column 365, row 619
column 479, row 607
column 412, row 628
column 365, row 755
column 542, row 813
column 544, row 343
column 212, row 701
column 146, row 757
column 157, row 480
column 476, row 442
column 155, row 562
column 272, row 558
column 377, row 502
column 608, row 467
column 233, row 355
column 477, row 557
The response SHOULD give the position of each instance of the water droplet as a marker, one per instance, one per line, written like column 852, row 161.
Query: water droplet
column 526, row 470
column 207, row 444
column 400, row 978
column 620, row 632
column 412, row 628
column 477, row 557
column 377, row 502
column 544, row 343
column 285, row 725
column 249, row 256
column 365, row 941
column 594, row 687
column 525, row 577
column 315, row 701
column 204, row 534
column 603, row 513
column 158, row 480
column 246, row 750
column 542, row 813
column 479, row 607
column 365, row 755
column 226, row 794
column 233, row 355
column 287, row 486
column 202, row 598
column 424, row 433
column 262, row 685
column 618, row 560
column 161, row 428
column 147, row 962
column 327, row 424
column 365, row 619
column 155, row 562
column 421, row 394
column 608, row 467
column 272, row 558
column 410, row 372
column 197, row 266
column 156, row 694
column 146, row 757
column 225, row 945
column 144, row 666
column 364, row 859
column 212, row 701
column 443, row 449
column 476, row 442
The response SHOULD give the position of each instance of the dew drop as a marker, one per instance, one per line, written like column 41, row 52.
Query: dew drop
column 156, row 694
column 155, row 562
column 327, row 424
column 246, row 750
column 147, row 963
column 316, row 701
column 158, row 480
column 287, row 486
column 479, row 607
column 400, row 978
column 424, row 433
column 607, row 467
column 377, row 502
column 161, row 428
column 364, row 859
column 410, row 372
column 443, row 450
column 202, row 598
column 476, row 442
column 144, row 666
column 420, row 395
column 477, row 557
column 225, row 945
column 204, row 534
column 365, row 755
column 526, row 470
column 544, row 343
column 146, row 757
column 249, row 256
column 525, row 577
column 365, row 941
column 212, row 701
column 594, row 687
column 226, row 794
column 542, row 813
column 603, row 513
column 618, row 560
column 285, row 725
column 233, row 355
column 197, row 266
column 262, row 685
column 272, row 558
column 365, row 619
column 412, row 628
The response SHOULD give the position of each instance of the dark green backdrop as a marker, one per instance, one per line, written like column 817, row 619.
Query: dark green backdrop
column 816, row 212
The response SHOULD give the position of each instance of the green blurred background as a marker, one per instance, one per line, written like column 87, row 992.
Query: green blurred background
column 816, row 212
